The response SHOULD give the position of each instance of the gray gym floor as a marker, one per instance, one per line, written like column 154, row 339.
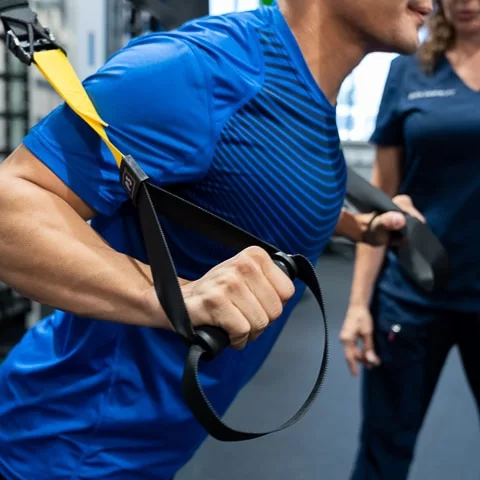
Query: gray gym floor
column 322, row 445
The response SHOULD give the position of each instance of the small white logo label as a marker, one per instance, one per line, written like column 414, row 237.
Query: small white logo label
column 128, row 182
column 432, row 94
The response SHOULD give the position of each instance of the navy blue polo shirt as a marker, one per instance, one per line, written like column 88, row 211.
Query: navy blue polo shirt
column 436, row 118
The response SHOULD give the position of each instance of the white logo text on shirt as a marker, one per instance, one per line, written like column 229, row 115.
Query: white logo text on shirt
column 432, row 94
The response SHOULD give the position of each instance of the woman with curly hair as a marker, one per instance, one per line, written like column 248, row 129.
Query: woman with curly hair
column 427, row 146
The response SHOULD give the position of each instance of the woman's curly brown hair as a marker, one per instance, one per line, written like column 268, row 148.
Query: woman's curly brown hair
column 440, row 38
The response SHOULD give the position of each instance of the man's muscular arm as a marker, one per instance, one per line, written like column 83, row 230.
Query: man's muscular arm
column 352, row 226
column 50, row 254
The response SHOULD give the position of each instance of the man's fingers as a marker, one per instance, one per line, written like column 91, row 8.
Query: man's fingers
column 406, row 204
column 413, row 212
column 391, row 221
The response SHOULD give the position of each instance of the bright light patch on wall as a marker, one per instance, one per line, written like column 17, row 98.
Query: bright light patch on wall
column 217, row 7
column 91, row 49
column 360, row 97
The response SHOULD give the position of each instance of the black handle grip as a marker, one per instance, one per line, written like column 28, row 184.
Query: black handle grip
column 213, row 339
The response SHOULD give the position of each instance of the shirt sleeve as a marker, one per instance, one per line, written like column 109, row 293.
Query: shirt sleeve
column 389, row 125
column 154, row 96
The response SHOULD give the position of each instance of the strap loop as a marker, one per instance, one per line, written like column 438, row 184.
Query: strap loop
column 132, row 177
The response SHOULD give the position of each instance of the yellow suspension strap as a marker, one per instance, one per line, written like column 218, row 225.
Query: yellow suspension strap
column 59, row 72
column 32, row 43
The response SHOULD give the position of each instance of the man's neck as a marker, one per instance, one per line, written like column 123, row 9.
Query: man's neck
column 330, row 50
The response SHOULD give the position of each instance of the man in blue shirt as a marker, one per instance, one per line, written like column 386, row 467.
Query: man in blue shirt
column 238, row 113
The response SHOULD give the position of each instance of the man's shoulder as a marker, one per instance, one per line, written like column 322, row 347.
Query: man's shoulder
column 216, row 50
column 228, row 32
column 229, row 51
column 234, row 36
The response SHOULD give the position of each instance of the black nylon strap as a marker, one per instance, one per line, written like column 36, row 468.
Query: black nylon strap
column 165, row 277
column 422, row 257
column 201, row 407
column 152, row 201
column 204, row 222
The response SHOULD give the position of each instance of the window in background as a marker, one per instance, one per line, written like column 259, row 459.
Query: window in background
column 16, row 132
column 16, row 96
column 217, row 7
column 91, row 48
column 3, row 137
column 360, row 96
column 13, row 100
column 3, row 96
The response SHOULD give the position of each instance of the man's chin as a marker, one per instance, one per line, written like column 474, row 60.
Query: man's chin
column 409, row 47
column 401, row 47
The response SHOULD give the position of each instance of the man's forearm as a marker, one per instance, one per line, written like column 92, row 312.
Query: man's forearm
column 352, row 226
column 50, row 254
column 368, row 259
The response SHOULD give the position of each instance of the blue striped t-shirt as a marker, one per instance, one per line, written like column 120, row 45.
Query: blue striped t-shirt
column 226, row 111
